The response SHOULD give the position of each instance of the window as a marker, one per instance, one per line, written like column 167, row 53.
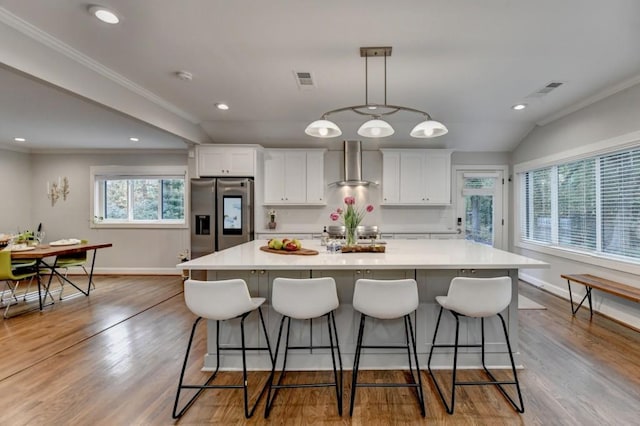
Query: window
column 590, row 205
column 139, row 197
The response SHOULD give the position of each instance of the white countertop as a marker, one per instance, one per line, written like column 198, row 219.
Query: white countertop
column 400, row 254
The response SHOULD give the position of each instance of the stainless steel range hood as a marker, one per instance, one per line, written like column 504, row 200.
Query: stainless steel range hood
column 353, row 166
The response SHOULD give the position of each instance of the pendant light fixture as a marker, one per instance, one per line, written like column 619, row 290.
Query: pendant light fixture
column 375, row 127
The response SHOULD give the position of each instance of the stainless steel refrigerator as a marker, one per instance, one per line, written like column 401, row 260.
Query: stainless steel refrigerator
column 221, row 214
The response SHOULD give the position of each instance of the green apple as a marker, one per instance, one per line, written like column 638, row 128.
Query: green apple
column 297, row 243
column 275, row 244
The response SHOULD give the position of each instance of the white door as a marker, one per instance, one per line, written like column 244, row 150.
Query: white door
column 480, row 205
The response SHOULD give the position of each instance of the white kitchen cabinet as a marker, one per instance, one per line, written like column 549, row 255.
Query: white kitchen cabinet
column 416, row 177
column 412, row 178
column 437, row 175
column 225, row 161
column 315, row 177
column 294, row 177
column 390, row 177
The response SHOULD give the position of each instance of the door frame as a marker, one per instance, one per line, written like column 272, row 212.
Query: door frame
column 503, row 244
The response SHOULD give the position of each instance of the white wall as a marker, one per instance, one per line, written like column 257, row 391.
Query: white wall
column 616, row 115
column 134, row 250
column 15, row 191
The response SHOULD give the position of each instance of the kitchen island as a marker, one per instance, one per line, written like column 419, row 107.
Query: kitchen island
column 432, row 263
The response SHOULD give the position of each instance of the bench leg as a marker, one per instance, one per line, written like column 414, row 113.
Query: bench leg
column 586, row 296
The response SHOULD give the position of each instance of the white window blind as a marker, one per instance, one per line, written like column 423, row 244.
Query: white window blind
column 620, row 175
column 590, row 205
column 577, row 204
column 541, row 205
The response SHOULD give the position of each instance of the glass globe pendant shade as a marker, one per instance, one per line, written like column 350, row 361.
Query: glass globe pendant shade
column 323, row 129
column 375, row 129
column 429, row 129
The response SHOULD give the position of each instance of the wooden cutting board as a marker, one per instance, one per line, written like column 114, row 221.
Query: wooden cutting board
column 300, row 252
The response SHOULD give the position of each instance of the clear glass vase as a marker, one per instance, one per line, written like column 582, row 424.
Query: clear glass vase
column 351, row 235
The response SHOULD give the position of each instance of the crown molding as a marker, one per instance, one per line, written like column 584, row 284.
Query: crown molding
column 106, row 151
column 612, row 90
column 53, row 43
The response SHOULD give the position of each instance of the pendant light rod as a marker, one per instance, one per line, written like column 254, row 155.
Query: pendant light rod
column 366, row 80
column 385, row 77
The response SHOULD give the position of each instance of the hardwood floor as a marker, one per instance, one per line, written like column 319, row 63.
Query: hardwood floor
column 113, row 358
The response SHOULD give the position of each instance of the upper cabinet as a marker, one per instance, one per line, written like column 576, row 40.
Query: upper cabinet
column 294, row 176
column 226, row 161
column 416, row 177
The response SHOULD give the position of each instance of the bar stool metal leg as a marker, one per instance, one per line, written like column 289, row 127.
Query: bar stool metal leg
column 410, row 343
column 334, row 348
column 493, row 381
column 356, row 364
column 201, row 388
column 206, row 385
column 331, row 323
column 519, row 408
column 420, row 391
column 275, row 390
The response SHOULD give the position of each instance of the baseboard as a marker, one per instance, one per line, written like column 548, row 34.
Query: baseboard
column 616, row 315
column 128, row 271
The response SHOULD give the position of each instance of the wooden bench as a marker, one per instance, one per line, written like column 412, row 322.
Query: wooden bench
column 602, row 284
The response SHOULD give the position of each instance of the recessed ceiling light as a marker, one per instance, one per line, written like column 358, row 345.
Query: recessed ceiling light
column 104, row 14
column 222, row 106
column 19, row 139
column 134, row 139
column 519, row 107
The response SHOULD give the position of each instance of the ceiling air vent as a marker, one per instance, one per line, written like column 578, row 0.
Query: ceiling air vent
column 304, row 80
column 546, row 89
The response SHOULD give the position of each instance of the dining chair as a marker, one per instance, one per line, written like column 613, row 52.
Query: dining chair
column 12, row 278
column 71, row 261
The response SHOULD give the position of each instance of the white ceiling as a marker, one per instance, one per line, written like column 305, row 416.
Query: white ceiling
column 465, row 62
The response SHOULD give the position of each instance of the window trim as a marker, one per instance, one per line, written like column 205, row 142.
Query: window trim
column 135, row 171
column 619, row 143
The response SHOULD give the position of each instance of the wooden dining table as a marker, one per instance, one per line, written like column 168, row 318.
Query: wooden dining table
column 43, row 252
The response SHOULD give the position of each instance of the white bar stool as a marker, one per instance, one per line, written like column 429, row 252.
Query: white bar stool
column 387, row 299
column 220, row 301
column 305, row 299
column 478, row 298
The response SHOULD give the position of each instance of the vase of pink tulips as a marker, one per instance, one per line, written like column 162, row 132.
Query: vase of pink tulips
column 351, row 217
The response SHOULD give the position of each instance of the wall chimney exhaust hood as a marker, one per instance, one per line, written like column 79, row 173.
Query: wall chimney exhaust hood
column 353, row 166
